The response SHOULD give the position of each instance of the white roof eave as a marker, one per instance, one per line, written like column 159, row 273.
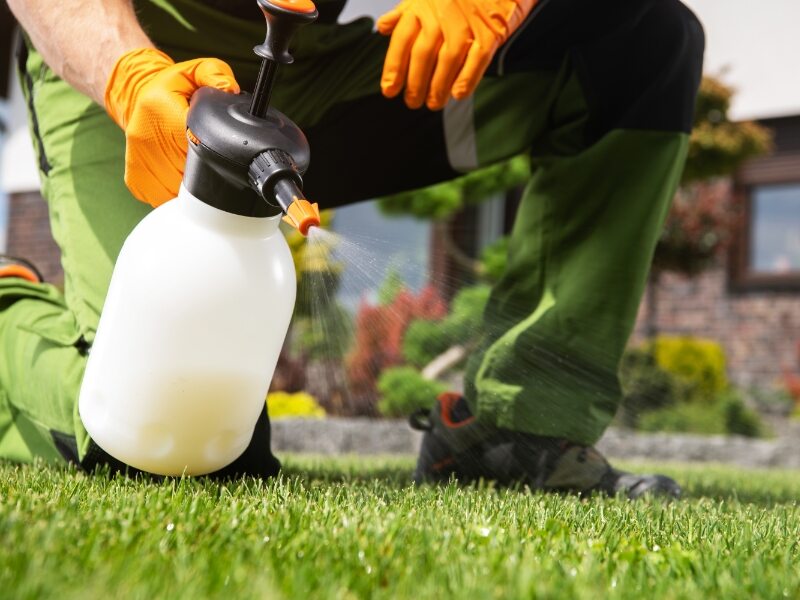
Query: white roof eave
column 18, row 171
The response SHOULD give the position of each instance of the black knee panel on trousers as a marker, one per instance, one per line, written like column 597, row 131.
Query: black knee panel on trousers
column 646, row 76
column 639, row 62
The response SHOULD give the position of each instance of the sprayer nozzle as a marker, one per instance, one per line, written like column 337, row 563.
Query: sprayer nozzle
column 302, row 215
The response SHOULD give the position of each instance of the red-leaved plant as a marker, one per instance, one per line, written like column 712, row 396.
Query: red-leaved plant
column 379, row 332
column 698, row 229
column 791, row 379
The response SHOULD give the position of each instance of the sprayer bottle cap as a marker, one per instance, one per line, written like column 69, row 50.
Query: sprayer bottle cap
column 244, row 157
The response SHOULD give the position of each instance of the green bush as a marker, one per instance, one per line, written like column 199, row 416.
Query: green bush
column 683, row 417
column 443, row 200
column 727, row 414
column 645, row 386
column 403, row 390
column 494, row 259
column 696, row 362
column 739, row 419
column 424, row 340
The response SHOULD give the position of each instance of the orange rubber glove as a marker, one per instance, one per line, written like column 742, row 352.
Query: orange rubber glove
column 443, row 47
column 148, row 96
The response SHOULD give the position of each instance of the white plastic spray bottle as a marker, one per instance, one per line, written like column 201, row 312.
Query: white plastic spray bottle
column 204, row 287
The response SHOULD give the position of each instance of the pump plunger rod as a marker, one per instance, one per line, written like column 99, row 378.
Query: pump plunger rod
column 263, row 90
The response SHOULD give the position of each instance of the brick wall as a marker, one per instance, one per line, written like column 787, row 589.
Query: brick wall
column 29, row 235
column 759, row 330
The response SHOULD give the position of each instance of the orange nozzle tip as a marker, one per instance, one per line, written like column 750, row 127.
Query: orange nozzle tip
column 302, row 215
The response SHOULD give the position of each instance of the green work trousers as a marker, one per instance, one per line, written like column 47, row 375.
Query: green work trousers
column 600, row 98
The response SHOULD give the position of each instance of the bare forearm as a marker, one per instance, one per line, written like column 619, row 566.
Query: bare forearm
column 81, row 39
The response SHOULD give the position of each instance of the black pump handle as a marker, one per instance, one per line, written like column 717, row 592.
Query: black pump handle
column 283, row 18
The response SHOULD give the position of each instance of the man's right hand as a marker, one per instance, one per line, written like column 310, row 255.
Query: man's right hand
column 148, row 95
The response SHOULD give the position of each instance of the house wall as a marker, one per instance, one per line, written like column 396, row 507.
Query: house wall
column 29, row 235
column 759, row 330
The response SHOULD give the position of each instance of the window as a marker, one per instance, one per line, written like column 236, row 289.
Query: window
column 775, row 229
column 768, row 249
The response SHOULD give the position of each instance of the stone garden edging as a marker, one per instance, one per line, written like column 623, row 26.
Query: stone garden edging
column 371, row 436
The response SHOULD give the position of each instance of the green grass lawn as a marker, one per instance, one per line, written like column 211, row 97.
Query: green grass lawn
column 353, row 528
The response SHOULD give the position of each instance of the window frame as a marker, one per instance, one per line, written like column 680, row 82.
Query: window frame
column 769, row 170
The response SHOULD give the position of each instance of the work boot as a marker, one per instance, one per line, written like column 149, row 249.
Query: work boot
column 456, row 445
column 11, row 266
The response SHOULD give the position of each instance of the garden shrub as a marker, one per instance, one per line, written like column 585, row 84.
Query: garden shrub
column 696, row 362
column 684, row 417
column 679, row 385
column 773, row 400
column 645, row 386
column 426, row 339
column 379, row 332
column 284, row 405
column 739, row 419
column 726, row 414
column 466, row 309
column 443, row 200
column 403, row 390
column 494, row 259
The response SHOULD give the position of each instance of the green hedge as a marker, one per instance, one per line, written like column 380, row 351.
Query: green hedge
column 403, row 390
column 726, row 415
column 425, row 340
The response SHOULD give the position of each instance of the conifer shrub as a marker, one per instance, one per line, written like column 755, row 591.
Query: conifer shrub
column 403, row 390
column 426, row 339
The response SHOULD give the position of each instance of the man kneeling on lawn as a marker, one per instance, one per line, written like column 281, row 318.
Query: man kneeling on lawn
column 599, row 95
